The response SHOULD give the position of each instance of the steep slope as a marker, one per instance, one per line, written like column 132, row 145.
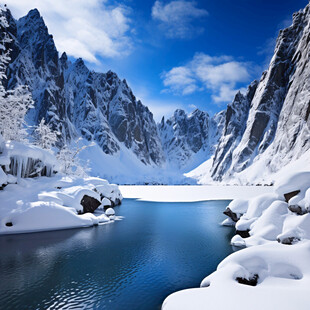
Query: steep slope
column 269, row 126
column 235, row 124
column 190, row 139
column 279, row 115
column 77, row 101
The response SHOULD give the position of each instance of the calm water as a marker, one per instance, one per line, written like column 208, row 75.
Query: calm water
column 132, row 264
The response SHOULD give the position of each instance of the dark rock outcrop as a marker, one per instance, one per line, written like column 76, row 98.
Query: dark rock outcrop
column 243, row 233
column 252, row 281
column 290, row 195
column 297, row 209
column 288, row 240
column 90, row 204
column 231, row 214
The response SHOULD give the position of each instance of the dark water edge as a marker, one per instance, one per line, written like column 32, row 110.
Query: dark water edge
column 158, row 248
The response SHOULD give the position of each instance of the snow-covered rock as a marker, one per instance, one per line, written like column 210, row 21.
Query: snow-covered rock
column 50, row 203
column 110, row 212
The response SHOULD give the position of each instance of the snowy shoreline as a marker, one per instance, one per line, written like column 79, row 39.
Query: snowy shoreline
column 56, row 203
column 273, row 271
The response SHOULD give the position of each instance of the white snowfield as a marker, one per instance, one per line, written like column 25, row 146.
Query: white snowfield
column 273, row 272
column 184, row 193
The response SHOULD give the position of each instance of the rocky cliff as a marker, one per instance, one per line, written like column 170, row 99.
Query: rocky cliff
column 275, row 111
column 75, row 100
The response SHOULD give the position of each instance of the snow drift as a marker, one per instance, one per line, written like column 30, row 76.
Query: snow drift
column 273, row 271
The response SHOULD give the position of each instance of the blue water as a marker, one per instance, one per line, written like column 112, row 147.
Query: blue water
column 133, row 264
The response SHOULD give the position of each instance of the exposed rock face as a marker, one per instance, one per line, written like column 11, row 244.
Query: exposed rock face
column 231, row 214
column 185, row 135
column 252, row 281
column 290, row 195
column 297, row 209
column 288, row 240
column 278, row 115
column 77, row 101
column 89, row 204
column 235, row 124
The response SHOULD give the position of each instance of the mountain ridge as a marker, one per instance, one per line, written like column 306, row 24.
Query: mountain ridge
column 269, row 124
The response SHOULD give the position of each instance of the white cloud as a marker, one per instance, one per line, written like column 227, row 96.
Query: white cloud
column 180, row 79
column 219, row 75
column 82, row 28
column 176, row 18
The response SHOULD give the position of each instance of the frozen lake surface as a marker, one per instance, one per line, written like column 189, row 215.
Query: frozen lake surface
column 157, row 249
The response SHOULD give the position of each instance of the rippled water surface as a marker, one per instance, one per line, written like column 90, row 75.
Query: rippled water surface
column 133, row 264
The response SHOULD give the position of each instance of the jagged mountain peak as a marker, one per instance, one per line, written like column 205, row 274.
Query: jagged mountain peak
column 77, row 101
column 189, row 139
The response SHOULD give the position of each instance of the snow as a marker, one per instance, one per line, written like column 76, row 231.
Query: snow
column 186, row 193
column 3, row 177
column 105, row 202
column 297, row 181
column 239, row 206
column 283, row 283
column 275, row 258
column 110, row 212
column 51, row 203
column 125, row 168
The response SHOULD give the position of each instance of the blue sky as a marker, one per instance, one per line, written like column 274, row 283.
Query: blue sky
column 174, row 54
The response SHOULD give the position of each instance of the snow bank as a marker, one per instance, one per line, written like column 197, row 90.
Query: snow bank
column 282, row 274
column 273, row 271
column 50, row 203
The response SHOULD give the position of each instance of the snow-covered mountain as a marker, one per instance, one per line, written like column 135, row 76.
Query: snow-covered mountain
column 190, row 139
column 76, row 101
column 235, row 124
column 259, row 133
column 269, row 127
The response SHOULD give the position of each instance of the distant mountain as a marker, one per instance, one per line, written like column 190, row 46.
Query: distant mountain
column 235, row 124
column 190, row 139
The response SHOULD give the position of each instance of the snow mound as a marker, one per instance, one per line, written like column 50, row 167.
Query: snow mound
column 273, row 271
column 51, row 203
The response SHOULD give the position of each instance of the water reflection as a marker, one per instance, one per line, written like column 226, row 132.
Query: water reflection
column 131, row 264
